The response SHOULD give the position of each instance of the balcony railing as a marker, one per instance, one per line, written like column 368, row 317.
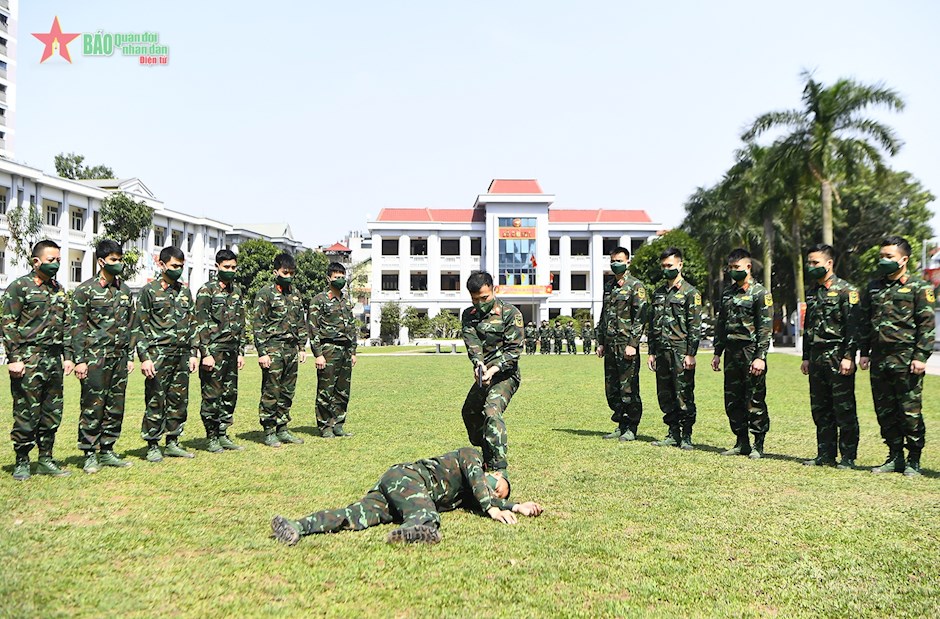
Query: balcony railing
column 5, row 4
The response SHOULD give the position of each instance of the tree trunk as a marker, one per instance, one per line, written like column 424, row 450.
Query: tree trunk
column 798, row 253
column 827, row 211
column 769, row 233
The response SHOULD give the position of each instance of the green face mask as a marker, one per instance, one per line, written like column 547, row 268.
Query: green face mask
column 815, row 272
column 174, row 274
column 670, row 274
column 738, row 275
column 114, row 269
column 618, row 268
column 283, row 281
column 339, row 283
column 49, row 268
column 485, row 306
column 226, row 276
column 887, row 267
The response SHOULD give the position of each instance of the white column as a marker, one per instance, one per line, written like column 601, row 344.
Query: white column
column 404, row 268
column 466, row 260
column 564, row 274
column 598, row 265
column 434, row 268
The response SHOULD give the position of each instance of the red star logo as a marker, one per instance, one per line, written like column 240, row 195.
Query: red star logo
column 56, row 38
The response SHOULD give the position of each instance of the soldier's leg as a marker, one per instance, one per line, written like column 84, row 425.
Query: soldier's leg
column 821, row 405
column 735, row 389
column 27, row 407
column 373, row 509
column 473, row 416
column 343, row 386
column 630, row 388
column 758, row 417
column 914, row 429
column 271, row 384
column 494, row 431
column 685, row 395
column 94, row 399
column 228, row 376
column 846, row 413
column 408, row 496
column 666, row 389
column 887, row 403
column 153, row 424
column 177, row 395
column 288, row 387
column 210, row 382
column 326, row 387
column 51, row 407
column 612, row 385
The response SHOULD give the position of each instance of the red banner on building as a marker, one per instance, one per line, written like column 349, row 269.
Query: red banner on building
column 517, row 233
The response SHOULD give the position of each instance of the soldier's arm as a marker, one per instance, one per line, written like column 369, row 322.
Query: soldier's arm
column 850, row 318
column 12, row 308
column 650, row 335
column 600, row 332
column 353, row 332
column 471, row 340
column 471, row 469
column 693, row 323
column 259, row 323
column 864, row 324
column 764, row 323
column 78, row 325
column 243, row 332
column 204, row 325
column 924, row 319
column 142, row 324
column 805, row 333
column 128, row 336
column 512, row 341
column 313, row 326
column 192, row 335
column 720, row 329
column 639, row 306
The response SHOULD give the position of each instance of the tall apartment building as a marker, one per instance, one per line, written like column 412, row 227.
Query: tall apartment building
column 9, row 10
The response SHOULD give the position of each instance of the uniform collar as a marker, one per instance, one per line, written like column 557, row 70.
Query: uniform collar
column 164, row 285
column 52, row 283
column 745, row 284
column 899, row 281
column 281, row 289
column 103, row 281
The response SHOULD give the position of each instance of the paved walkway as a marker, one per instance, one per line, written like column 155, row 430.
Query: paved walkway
column 933, row 363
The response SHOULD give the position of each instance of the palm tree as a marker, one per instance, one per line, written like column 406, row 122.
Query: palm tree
column 832, row 134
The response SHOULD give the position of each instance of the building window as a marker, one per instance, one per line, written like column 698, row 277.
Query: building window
column 159, row 236
column 419, row 247
column 3, row 263
column 190, row 238
column 579, row 281
column 580, row 247
column 636, row 244
column 3, row 202
column 554, row 313
column 419, row 281
column 212, row 243
column 76, row 271
column 450, row 247
column 78, row 219
column 390, row 247
column 556, row 281
column 476, row 246
column 554, row 247
column 52, row 215
column 450, row 281
column 610, row 244
column 389, row 282
column 212, row 273
column 94, row 222
column 175, row 239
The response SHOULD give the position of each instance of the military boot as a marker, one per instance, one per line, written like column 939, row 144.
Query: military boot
column 741, row 448
column 48, row 466
column 214, row 446
column 820, row 460
column 912, row 469
column 285, row 530
column 174, row 450
column 671, row 439
column 21, row 468
column 285, row 436
column 153, row 453
column 339, row 431
column 418, row 534
column 615, row 434
column 91, row 465
column 327, row 433
column 894, row 463
column 846, row 463
column 227, row 443
column 629, row 434
column 270, row 439
column 758, row 452
column 685, row 443
column 108, row 458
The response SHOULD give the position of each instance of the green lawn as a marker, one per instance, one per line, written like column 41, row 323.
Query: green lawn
column 629, row 529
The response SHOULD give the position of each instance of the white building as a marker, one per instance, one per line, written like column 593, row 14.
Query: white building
column 278, row 233
column 9, row 12
column 545, row 260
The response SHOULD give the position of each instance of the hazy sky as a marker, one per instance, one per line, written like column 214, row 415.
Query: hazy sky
column 322, row 113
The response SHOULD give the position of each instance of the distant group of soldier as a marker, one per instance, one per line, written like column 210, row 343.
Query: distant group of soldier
column 558, row 337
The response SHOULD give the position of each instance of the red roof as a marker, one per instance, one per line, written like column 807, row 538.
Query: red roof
column 439, row 215
column 589, row 216
column 337, row 247
column 509, row 185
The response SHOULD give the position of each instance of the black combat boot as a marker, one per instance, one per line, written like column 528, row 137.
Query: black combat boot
column 741, row 448
column 671, row 440
column 912, row 468
column 758, row 452
column 685, row 442
column 894, row 463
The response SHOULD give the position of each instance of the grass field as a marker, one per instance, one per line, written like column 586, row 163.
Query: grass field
column 629, row 529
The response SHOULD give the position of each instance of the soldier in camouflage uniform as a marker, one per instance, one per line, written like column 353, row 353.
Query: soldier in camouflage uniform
column 674, row 334
column 414, row 495
column 492, row 333
column 558, row 334
column 571, row 337
column 531, row 336
column 33, row 325
column 280, row 335
column 830, row 341
column 332, row 330
column 101, row 319
column 896, row 339
column 742, row 333
column 545, row 338
column 165, row 335
column 619, row 330
column 220, row 324
column 587, row 336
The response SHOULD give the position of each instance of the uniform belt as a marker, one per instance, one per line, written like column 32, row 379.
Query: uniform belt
column 826, row 344
column 337, row 342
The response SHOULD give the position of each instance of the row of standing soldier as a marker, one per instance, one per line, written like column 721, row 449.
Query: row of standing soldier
column 553, row 338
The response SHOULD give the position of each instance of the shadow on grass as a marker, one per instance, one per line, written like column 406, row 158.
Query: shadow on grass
column 254, row 436
column 578, row 432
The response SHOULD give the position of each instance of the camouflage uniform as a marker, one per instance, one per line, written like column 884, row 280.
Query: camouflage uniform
column 571, row 335
column 830, row 334
column 742, row 333
column 531, row 335
column 545, row 339
column 33, row 324
column 621, row 324
column 897, row 327
column 414, row 494
column 587, row 337
column 558, row 333
column 675, row 331
column 220, row 319
column 332, row 330
column 165, row 333
column 280, row 332
column 101, row 322
column 493, row 340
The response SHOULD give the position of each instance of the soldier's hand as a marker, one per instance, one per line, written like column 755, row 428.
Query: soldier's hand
column 629, row 352
column 241, row 361
column 320, row 362
column 302, row 356
column 600, row 350
column 130, row 367
column 352, row 360
column 651, row 363
column 528, row 508
column 81, row 371
column 147, row 369
column 502, row 515
column 68, row 366
column 689, row 362
column 193, row 364
column 847, row 367
column 716, row 363
column 758, row 366
column 804, row 367
column 265, row 361
column 864, row 363
column 918, row 367
column 17, row 369
column 489, row 374
column 208, row 362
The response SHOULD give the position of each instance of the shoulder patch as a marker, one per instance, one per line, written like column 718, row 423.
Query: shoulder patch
column 769, row 300
column 904, row 289
column 832, row 293
column 698, row 299
column 518, row 320
column 641, row 293
column 853, row 297
column 929, row 294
